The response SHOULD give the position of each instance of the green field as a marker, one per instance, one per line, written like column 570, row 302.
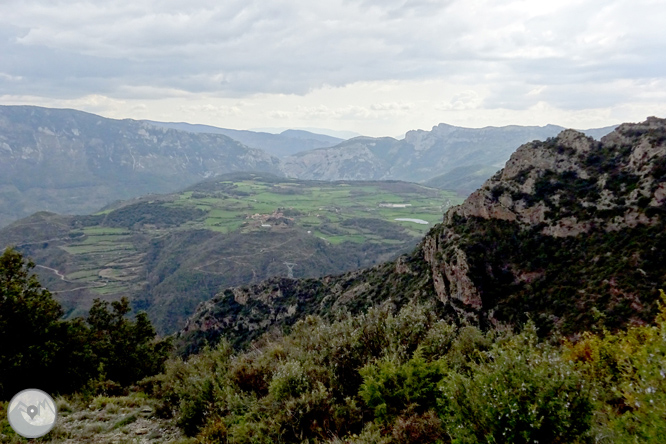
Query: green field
column 229, row 206
column 182, row 248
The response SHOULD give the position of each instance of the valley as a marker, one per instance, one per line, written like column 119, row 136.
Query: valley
column 569, row 235
column 349, row 311
column 335, row 222
column 169, row 252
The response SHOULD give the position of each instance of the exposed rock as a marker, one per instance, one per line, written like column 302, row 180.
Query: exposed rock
column 561, row 229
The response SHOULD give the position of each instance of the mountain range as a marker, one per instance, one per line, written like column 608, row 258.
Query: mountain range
column 74, row 162
column 571, row 233
column 437, row 156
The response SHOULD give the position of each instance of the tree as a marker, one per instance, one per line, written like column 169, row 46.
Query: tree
column 30, row 328
column 39, row 349
column 126, row 350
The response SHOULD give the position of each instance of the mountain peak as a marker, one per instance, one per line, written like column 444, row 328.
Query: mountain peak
column 573, row 170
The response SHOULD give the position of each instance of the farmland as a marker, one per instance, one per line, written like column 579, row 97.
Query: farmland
column 169, row 252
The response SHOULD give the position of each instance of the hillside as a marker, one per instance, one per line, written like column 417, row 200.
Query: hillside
column 280, row 145
column 570, row 233
column 74, row 162
column 421, row 155
column 170, row 252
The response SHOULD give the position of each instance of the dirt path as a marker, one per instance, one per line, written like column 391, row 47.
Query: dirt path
column 60, row 275
column 63, row 278
column 111, row 420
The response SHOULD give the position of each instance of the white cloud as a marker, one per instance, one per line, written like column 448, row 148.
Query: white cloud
column 468, row 99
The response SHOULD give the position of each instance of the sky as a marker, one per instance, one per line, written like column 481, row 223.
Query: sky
column 375, row 67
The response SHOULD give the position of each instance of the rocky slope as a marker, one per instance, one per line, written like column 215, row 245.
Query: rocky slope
column 74, row 162
column 421, row 155
column 570, row 233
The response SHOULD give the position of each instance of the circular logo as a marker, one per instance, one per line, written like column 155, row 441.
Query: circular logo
column 32, row 413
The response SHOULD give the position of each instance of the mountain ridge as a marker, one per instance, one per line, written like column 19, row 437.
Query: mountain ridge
column 76, row 162
column 286, row 143
column 570, row 232
column 421, row 156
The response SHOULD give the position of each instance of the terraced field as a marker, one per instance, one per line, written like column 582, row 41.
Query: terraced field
column 169, row 252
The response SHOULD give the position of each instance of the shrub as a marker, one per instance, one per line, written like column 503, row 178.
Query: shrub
column 288, row 381
column 522, row 392
column 629, row 370
column 390, row 388
column 423, row 428
column 30, row 330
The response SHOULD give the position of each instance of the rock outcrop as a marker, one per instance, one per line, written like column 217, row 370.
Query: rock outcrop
column 571, row 233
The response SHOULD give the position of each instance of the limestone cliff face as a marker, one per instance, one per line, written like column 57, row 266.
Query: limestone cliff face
column 567, row 187
column 570, row 233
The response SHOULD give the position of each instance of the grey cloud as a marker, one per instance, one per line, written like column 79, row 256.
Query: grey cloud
column 141, row 48
column 395, row 9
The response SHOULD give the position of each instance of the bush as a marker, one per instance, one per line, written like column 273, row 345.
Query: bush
column 106, row 353
column 30, row 329
column 125, row 350
column 288, row 381
column 385, row 377
column 390, row 388
column 629, row 371
column 522, row 392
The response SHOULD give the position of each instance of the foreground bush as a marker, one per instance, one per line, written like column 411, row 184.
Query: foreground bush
column 629, row 371
column 521, row 392
column 406, row 377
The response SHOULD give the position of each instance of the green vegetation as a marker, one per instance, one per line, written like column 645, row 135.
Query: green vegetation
column 558, row 335
column 105, row 352
column 406, row 376
column 233, row 230
column 596, row 280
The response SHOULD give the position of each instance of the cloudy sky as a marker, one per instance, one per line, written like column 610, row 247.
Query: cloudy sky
column 376, row 67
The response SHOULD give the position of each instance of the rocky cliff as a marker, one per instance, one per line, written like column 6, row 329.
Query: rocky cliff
column 74, row 162
column 570, row 233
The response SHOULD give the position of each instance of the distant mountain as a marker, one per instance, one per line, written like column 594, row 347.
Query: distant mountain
column 463, row 179
column 74, row 162
column 284, row 144
column 338, row 134
column 421, row 155
column 571, row 233
column 307, row 135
